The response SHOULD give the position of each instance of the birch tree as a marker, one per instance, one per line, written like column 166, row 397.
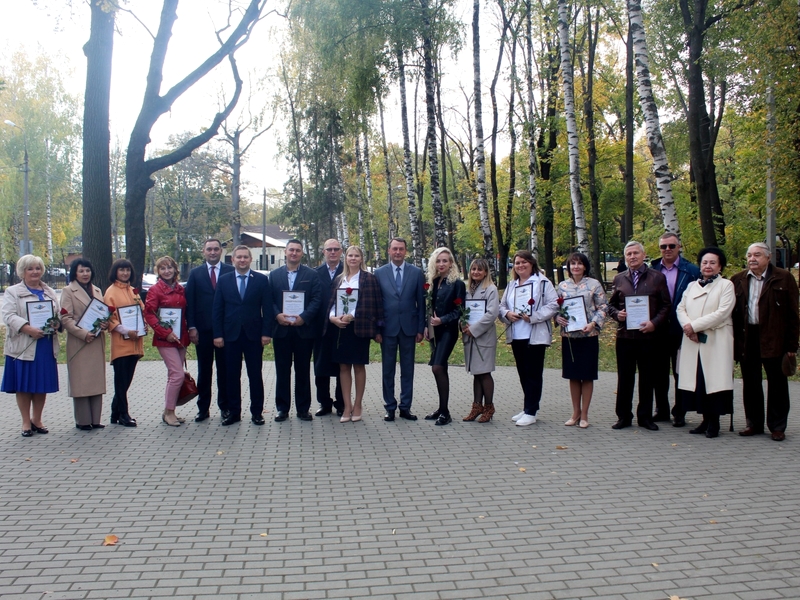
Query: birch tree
column 480, row 156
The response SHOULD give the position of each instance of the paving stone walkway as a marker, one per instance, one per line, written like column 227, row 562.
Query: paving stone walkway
column 396, row 510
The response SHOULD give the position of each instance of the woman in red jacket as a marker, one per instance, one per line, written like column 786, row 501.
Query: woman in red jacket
column 165, row 312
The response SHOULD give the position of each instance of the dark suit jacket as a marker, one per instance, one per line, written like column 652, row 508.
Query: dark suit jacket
column 652, row 283
column 326, row 285
column 200, row 296
column 779, row 323
column 687, row 273
column 233, row 314
column 307, row 281
column 369, row 310
column 404, row 312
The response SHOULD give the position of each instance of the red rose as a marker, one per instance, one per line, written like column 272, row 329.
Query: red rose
column 348, row 291
column 426, row 286
column 136, row 291
column 457, row 301
column 560, row 301
column 530, row 302
column 64, row 311
column 111, row 310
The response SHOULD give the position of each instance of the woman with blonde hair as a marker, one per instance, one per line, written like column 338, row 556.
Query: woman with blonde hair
column 356, row 308
column 170, row 337
column 447, row 293
column 31, row 371
column 480, row 340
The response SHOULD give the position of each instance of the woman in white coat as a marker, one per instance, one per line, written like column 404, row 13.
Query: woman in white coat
column 480, row 340
column 529, row 303
column 705, row 368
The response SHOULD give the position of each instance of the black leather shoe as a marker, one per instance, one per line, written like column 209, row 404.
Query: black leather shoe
column 443, row 420
column 224, row 414
column 323, row 411
column 339, row 406
column 98, row 426
column 712, row 434
column 84, row 427
column 661, row 418
column 679, row 422
column 389, row 416
column 259, row 420
column 305, row 417
column 281, row 416
column 201, row 416
column 231, row 419
column 406, row 414
column 702, row 428
column 649, row 425
column 621, row 424
column 125, row 421
column 433, row 416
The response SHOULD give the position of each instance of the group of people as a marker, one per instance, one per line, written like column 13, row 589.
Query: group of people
column 672, row 317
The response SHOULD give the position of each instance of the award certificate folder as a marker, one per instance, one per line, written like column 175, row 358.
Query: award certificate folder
column 39, row 312
column 96, row 310
column 638, row 311
column 523, row 294
column 294, row 303
column 173, row 317
column 576, row 313
column 346, row 303
column 131, row 318
column 477, row 308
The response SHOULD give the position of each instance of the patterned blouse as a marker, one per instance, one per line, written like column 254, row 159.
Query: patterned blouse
column 593, row 296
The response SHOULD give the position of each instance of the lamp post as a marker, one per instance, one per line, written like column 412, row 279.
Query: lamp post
column 26, row 249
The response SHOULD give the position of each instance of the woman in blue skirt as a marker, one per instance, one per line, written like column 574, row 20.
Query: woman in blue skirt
column 31, row 350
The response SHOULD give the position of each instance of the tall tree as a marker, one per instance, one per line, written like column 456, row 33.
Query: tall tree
column 480, row 155
column 139, row 169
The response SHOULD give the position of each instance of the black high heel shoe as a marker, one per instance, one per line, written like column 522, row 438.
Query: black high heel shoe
column 27, row 433
column 38, row 429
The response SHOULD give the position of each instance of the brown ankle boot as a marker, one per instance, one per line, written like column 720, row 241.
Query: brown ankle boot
column 476, row 411
column 488, row 413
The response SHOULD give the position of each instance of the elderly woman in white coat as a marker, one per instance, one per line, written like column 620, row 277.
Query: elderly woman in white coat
column 705, row 368
column 480, row 340
column 529, row 331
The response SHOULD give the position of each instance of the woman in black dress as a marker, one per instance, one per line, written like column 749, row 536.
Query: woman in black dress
column 447, row 293
column 356, row 309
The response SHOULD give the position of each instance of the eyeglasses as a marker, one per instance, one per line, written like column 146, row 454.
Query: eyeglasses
column 333, row 249
column 670, row 246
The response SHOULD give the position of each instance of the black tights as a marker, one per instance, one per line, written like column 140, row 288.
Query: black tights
column 483, row 388
column 442, row 386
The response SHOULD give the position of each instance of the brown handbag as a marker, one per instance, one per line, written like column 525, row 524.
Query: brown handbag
column 188, row 389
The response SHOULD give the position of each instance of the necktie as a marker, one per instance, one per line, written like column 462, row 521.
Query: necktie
column 398, row 282
column 635, row 280
column 241, row 286
column 214, row 277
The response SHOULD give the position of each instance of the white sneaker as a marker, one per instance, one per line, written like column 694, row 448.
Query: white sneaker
column 518, row 416
column 526, row 420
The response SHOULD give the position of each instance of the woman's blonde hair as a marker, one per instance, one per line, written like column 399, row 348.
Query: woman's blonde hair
column 452, row 275
column 26, row 261
column 345, row 268
column 168, row 260
column 483, row 265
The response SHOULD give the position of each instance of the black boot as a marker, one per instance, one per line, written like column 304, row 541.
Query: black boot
column 702, row 428
column 713, row 425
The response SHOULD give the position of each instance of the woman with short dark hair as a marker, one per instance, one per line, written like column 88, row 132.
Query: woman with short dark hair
column 127, row 347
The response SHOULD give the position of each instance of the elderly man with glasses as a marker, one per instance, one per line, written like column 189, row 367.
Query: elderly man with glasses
column 324, row 367
column 679, row 273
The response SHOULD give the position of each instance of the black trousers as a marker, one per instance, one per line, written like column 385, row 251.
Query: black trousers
column 666, row 363
column 323, row 385
column 292, row 349
column 753, row 391
column 124, row 369
column 207, row 355
column 530, row 368
column 633, row 355
column 252, row 350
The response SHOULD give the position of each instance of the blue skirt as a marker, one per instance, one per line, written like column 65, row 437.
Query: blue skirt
column 37, row 376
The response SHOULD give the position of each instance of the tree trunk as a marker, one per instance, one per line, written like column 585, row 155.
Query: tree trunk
column 49, row 194
column 236, row 215
column 376, row 252
column 416, row 241
column 530, row 135
column 655, row 142
column 480, row 156
column 298, row 156
column 627, row 221
column 430, row 105
column 572, row 130
column 360, row 192
column 96, row 141
column 547, row 151
column 592, row 29
column 512, row 151
column 392, row 229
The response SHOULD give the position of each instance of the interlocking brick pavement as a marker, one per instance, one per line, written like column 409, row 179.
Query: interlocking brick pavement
column 395, row 510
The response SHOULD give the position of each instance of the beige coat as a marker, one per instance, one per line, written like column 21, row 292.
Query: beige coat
column 86, row 363
column 709, row 310
column 15, row 316
column 485, row 336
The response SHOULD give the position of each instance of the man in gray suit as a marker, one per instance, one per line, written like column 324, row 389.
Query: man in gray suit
column 404, row 313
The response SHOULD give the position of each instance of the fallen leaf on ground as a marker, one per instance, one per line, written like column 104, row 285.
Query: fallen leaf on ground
column 73, row 460
column 654, row 564
column 522, row 469
column 393, row 531
column 263, row 535
column 533, row 446
column 673, row 445
column 481, row 517
column 28, row 459
column 110, row 540
column 713, row 522
column 561, row 447
column 220, row 452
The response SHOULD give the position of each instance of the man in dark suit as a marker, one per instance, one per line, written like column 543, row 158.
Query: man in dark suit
column 638, row 346
column 766, row 328
column 294, row 333
column 324, row 367
column 199, row 300
column 679, row 273
column 242, row 316
column 404, row 322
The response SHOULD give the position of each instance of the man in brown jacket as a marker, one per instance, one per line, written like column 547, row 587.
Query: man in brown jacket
column 766, row 325
column 638, row 343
